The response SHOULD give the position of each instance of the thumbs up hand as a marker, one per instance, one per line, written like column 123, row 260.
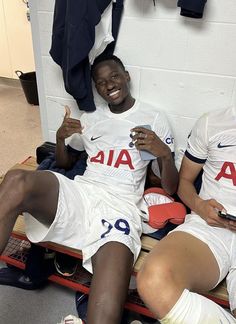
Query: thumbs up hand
column 69, row 126
column 67, row 112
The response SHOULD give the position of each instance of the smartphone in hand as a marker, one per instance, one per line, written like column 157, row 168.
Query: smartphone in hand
column 145, row 155
column 227, row 216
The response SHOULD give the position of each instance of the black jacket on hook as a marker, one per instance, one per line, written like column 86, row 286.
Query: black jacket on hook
column 73, row 37
column 192, row 8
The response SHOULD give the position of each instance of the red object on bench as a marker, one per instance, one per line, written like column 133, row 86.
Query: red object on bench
column 173, row 212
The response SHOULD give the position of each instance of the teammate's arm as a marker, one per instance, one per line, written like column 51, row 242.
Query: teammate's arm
column 187, row 192
column 207, row 209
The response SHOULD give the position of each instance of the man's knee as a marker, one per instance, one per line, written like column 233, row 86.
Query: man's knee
column 15, row 184
column 155, row 275
column 16, row 176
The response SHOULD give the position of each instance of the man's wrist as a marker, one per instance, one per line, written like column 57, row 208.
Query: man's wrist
column 197, row 205
column 167, row 156
column 60, row 140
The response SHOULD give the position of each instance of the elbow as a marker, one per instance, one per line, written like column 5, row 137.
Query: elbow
column 173, row 191
column 59, row 165
column 66, row 167
column 171, row 188
column 65, row 162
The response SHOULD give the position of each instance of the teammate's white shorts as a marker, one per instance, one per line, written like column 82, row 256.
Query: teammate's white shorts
column 87, row 217
column 221, row 241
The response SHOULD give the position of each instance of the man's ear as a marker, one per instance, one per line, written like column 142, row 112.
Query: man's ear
column 127, row 75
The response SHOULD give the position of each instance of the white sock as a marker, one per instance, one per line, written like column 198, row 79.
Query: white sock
column 192, row 308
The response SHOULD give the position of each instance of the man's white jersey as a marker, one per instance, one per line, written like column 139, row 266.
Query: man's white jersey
column 213, row 142
column 112, row 161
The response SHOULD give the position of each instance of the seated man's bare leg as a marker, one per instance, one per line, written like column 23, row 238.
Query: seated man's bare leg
column 35, row 192
column 112, row 268
column 178, row 264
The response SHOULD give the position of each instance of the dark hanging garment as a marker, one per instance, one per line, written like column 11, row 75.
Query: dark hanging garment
column 192, row 8
column 117, row 11
column 73, row 37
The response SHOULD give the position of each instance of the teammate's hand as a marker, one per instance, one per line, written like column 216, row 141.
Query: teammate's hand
column 69, row 126
column 146, row 139
column 208, row 210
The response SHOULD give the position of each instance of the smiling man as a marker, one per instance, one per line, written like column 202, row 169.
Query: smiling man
column 102, row 211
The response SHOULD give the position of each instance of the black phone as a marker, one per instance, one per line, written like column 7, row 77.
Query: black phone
column 227, row 216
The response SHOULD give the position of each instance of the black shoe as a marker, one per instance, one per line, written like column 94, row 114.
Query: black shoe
column 16, row 278
column 65, row 264
column 81, row 302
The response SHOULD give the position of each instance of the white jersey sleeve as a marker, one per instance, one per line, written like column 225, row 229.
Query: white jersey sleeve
column 75, row 142
column 197, row 146
column 163, row 130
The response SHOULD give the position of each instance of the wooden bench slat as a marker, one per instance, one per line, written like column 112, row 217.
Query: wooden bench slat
column 148, row 242
column 19, row 227
column 31, row 161
column 22, row 167
column 139, row 261
column 220, row 292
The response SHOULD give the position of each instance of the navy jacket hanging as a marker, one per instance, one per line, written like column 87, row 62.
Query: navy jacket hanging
column 192, row 8
column 72, row 39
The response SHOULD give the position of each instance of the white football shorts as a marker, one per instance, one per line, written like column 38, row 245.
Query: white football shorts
column 87, row 217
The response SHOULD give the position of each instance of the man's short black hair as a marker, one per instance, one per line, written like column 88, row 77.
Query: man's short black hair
column 103, row 58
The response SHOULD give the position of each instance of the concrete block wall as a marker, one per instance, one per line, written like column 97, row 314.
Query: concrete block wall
column 184, row 66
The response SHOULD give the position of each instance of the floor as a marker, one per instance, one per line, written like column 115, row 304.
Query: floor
column 20, row 129
column 20, row 134
column 43, row 306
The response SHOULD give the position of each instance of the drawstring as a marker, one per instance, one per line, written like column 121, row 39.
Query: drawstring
column 154, row 2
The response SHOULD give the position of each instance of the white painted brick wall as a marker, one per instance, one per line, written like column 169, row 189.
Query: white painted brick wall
column 183, row 65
